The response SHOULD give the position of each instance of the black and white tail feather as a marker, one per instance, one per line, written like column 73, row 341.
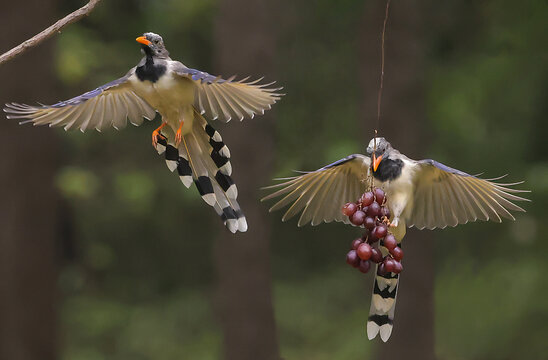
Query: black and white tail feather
column 383, row 304
column 203, row 159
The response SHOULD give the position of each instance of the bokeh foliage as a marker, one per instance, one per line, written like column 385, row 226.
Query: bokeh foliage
column 138, row 283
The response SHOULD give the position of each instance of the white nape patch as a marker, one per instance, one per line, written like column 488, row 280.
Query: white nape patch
column 372, row 330
column 232, row 225
column 210, row 199
column 187, row 180
column 242, row 224
column 371, row 144
column 385, row 331
column 171, row 165
column 160, row 148
column 225, row 152
column 382, row 305
column 226, row 169
column 232, row 192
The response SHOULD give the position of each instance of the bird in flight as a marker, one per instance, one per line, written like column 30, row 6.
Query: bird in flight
column 184, row 97
column 421, row 194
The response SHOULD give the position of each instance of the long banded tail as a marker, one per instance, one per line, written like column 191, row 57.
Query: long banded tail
column 204, row 159
column 383, row 304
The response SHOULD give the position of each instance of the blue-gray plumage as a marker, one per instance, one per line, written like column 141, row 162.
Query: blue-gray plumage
column 90, row 94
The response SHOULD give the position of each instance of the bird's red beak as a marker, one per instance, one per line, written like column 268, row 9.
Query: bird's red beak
column 376, row 161
column 143, row 40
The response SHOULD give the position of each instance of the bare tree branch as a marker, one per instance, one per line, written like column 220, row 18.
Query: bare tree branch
column 49, row 32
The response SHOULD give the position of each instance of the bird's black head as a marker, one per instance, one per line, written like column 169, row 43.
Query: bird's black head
column 378, row 149
column 153, row 45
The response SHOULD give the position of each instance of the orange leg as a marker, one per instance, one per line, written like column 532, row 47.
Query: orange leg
column 179, row 134
column 156, row 133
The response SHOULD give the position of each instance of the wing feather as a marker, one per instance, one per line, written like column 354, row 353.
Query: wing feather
column 320, row 194
column 301, row 201
column 446, row 197
column 310, row 209
column 223, row 99
column 108, row 105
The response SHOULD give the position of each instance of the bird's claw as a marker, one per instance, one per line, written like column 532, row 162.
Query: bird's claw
column 179, row 134
column 178, row 137
column 155, row 135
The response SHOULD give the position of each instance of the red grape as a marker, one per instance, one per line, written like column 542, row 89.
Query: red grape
column 381, row 270
column 364, row 251
column 389, row 264
column 379, row 195
column 374, row 210
column 397, row 267
column 364, row 266
column 379, row 231
column 369, row 223
column 376, row 255
column 356, row 243
column 358, row 218
column 352, row 258
column 367, row 198
column 390, row 242
column 349, row 209
column 397, row 253
column 371, row 211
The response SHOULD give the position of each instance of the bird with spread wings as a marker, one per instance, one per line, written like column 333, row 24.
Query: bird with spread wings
column 185, row 98
column 422, row 194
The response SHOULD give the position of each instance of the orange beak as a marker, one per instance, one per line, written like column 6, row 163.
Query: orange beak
column 376, row 161
column 143, row 40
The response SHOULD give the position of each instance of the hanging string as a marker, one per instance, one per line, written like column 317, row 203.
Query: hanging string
column 379, row 97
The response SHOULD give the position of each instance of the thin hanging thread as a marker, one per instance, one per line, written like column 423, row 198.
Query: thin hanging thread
column 379, row 97
column 382, row 69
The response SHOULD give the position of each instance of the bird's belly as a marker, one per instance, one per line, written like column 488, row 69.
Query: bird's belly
column 172, row 98
column 174, row 93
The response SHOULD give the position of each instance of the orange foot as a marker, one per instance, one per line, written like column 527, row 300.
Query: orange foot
column 157, row 133
column 179, row 134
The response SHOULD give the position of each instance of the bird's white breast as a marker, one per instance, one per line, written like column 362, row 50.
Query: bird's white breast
column 172, row 96
column 400, row 191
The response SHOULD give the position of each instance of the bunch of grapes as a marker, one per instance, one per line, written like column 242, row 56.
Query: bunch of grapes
column 371, row 212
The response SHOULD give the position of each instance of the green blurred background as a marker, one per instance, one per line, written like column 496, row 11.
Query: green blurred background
column 105, row 255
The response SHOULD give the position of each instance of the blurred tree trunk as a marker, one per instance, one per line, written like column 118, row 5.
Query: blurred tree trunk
column 28, row 207
column 403, row 123
column 245, row 36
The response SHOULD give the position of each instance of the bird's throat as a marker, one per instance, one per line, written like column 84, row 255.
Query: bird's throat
column 150, row 70
column 388, row 170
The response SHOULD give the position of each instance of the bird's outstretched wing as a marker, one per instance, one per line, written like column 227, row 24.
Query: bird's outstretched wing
column 320, row 194
column 227, row 99
column 447, row 197
column 108, row 105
